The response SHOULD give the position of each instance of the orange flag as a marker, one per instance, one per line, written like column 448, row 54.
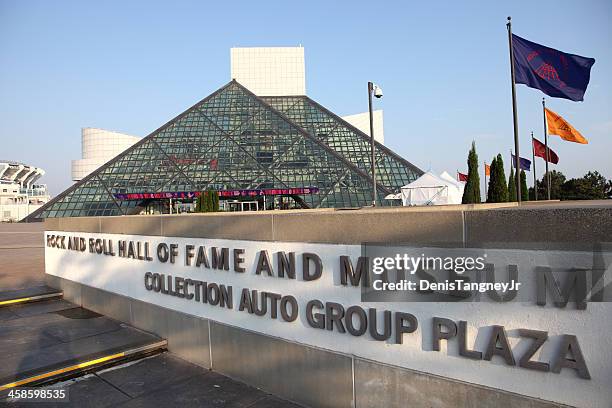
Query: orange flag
column 487, row 170
column 560, row 127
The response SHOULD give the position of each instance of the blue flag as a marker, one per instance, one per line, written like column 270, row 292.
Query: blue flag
column 525, row 163
column 553, row 72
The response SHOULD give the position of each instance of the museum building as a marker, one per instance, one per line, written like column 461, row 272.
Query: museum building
column 241, row 145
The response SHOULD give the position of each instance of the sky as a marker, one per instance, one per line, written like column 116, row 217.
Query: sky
column 443, row 67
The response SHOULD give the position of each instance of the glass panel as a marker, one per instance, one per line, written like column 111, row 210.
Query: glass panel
column 392, row 171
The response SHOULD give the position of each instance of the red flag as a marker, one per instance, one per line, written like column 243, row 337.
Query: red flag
column 539, row 149
column 487, row 170
column 214, row 163
column 462, row 177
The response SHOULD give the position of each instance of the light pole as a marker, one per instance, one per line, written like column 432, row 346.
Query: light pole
column 377, row 91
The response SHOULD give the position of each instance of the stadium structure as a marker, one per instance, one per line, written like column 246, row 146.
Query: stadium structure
column 19, row 195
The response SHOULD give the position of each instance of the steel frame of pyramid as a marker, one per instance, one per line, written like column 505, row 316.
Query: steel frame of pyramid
column 392, row 171
column 233, row 139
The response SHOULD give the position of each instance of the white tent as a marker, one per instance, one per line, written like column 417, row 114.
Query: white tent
column 397, row 196
column 430, row 189
column 448, row 177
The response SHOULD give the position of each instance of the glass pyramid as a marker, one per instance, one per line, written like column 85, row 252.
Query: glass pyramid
column 235, row 140
column 392, row 171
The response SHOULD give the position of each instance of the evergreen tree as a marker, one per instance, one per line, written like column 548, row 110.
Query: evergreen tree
column 511, row 186
column 557, row 180
column 198, row 203
column 209, row 201
column 503, row 194
column 498, row 189
column 524, row 189
column 471, row 192
column 503, row 189
column 214, row 200
column 204, row 201
column 593, row 186
column 492, row 176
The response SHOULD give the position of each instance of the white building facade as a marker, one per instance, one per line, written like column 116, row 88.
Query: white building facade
column 362, row 122
column 99, row 146
column 270, row 71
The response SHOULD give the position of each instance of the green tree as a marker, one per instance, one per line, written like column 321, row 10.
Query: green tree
column 511, row 185
column 471, row 192
column 202, row 203
column 532, row 194
column 524, row 189
column 209, row 201
column 492, row 176
column 593, row 186
column 198, row 203
column 498, row 189
column 214, row 200
column 556, row 181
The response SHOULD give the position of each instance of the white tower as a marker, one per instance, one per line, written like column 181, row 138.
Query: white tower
column 270, row 71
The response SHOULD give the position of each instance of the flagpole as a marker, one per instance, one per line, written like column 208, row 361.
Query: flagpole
column 546, row 147
column 485, row 169
column 514, row 113
column 535, row 179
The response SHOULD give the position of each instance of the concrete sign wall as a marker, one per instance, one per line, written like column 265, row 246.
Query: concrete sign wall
column 310, row 294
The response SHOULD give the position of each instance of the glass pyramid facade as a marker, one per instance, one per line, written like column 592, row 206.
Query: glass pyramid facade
column 234, row 140
column 392, row 170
